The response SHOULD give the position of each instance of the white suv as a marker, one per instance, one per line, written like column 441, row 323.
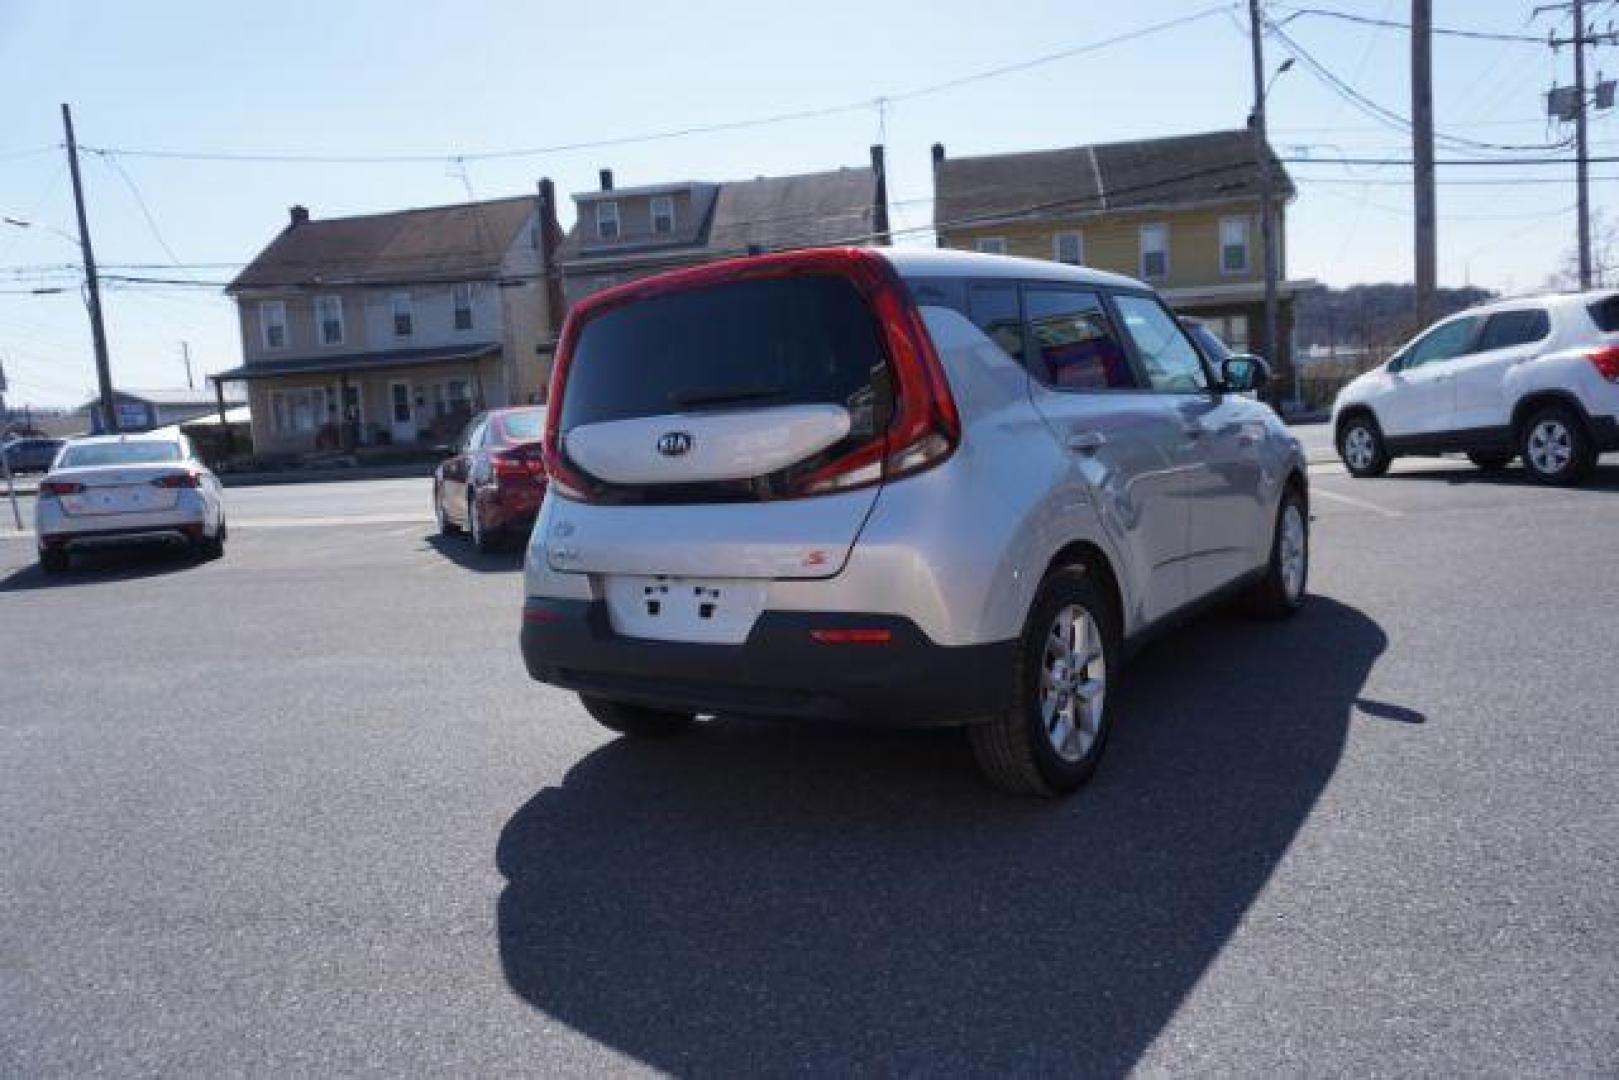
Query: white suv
column 906, row 487
column 1534, row 377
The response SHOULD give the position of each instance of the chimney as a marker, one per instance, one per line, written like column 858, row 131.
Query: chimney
column 299, row 215
column 607, row 179
column 879, row 208
column 938, row 154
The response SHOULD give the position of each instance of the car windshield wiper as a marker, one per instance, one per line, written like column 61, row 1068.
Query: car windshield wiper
column 723, row 396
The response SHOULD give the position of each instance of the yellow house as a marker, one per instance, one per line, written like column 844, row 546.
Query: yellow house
column 1180, row 213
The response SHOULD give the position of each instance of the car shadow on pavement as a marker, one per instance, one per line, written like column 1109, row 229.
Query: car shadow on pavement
column 759, row 898
column 106, row 565
column 1604, row 477
column 459, row 550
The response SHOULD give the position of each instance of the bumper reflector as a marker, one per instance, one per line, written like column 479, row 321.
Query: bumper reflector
column 853, row 636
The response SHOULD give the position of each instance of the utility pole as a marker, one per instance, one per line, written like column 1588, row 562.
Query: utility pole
column 1426, row 236
column 98, row 332
column 1581, row 164
column 1267, row 207
column 185, row 357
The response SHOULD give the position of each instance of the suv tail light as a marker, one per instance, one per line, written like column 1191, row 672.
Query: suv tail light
column 60, row 487
column 1606, row 360
column 178, row 480
column 924, row 428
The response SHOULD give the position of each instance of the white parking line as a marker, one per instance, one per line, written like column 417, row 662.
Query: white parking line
column 1361, row 504
column 326, row 522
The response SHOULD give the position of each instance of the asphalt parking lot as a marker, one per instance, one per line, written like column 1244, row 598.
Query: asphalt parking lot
column 301, row 810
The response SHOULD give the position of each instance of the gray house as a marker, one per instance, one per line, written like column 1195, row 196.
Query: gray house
column 622, row 234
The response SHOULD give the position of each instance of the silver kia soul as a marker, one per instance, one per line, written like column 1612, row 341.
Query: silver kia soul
column 900, row 487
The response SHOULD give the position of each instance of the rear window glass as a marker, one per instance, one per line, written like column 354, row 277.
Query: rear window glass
column 1605, row 313
column 1513, row 328
column 144, row 452
column 524, row 426
column 749, row 344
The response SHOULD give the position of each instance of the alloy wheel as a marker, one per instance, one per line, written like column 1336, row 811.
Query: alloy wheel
column 1551, row 447
column 1073, row 683
column 1295, row 551
column 1360, row 449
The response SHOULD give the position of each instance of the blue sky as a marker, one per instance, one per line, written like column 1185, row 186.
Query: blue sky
column 363, row 79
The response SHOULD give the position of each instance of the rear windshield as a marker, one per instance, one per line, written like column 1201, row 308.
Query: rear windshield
column 748, row 344
column 144, row 452
column 525, row 425
column 1605, row 313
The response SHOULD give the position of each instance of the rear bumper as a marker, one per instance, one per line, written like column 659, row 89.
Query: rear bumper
column 56, row 528
column 511, row 508
column 780, row 671
column 137, row 534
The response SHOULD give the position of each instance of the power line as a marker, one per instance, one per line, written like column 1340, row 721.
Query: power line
column 129, row 182
column 1392, row 24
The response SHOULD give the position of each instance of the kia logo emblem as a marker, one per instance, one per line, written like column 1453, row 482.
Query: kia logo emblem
column 674, row 443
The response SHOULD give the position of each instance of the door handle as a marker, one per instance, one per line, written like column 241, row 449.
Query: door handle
column 1086, row 442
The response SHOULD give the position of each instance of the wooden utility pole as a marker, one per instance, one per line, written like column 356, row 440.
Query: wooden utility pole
column 1426, row 234
column 1581, row 162
column 1267, row 204
column 98, row 332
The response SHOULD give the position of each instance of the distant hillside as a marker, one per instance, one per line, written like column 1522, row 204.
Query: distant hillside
column 1378, row 316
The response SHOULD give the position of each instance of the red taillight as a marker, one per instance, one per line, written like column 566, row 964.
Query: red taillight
column 60, row 487
column 519, row 463
column 925, row 427
column 1606, row 361
column 860, row 635
column 178, row 480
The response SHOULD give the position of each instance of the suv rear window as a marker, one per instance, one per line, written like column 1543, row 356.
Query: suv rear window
column 746, row 344
column 1605, row 313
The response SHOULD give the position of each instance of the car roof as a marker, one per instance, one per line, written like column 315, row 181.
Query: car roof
column 935, row 262
column 1529, row 301
column 127, row 436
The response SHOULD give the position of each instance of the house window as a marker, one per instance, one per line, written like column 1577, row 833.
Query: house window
column 401, row 312
column 273, row 323
column 1068, row 247
column 992, row 245
column 329, row 319
column 607, row 220
column 1154, row 251
column 298, row 412
column 663, row 214
column 463, row 307
column 1234, row 245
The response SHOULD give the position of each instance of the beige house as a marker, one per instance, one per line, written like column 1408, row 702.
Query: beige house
column 621, row 234
column 1181, row 213
column 392, row 329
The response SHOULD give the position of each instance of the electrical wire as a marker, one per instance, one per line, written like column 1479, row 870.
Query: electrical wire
column 1391, row 24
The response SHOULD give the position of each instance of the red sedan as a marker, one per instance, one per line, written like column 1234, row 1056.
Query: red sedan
column 491, row 485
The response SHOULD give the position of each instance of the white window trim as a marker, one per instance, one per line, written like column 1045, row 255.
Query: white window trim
column 1247, row 246
column 265, row 307
column 320, row 322
column 1079, row 242
column 667, row 201
column 395, row 301
column 603, row 216
column 1162, row 228
column 466, row 289
column 990, row 245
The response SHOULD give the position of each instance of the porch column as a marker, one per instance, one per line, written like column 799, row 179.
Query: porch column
column 224, row 427
column 346, row 438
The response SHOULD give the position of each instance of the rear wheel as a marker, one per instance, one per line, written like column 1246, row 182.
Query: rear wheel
column 637, row 720
column 1490, row 462
column 53, row 560
column 1360, row 445
column 446, row 527
column 1556, row 448
column 481, row 539
column 212, row 547
column 1050, row 737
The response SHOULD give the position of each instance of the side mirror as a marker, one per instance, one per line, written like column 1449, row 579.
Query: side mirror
column 1242, row 374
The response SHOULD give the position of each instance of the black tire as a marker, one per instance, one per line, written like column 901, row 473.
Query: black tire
column 1273, row 597
column 637, row 720
column 1013, row 748
column 212, row 547
column 482, row 540
column 1363, row 466
column 1491, row 462
column 446, row 527
column 53, row 561
column 1571, row 455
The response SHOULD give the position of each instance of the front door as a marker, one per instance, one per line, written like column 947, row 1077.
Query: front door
column 401, row 413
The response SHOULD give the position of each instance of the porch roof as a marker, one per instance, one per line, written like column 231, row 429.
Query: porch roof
column 358, row 362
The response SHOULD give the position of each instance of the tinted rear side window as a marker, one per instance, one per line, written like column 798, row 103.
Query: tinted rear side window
column 994, row 310
column 1605, row 313
column 1075, row 344
column 1513, row 328
column 749, row 344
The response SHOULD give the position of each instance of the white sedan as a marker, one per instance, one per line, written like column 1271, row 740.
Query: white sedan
column 117, row 489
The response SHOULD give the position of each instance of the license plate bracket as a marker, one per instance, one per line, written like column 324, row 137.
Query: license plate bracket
column 667, row 608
